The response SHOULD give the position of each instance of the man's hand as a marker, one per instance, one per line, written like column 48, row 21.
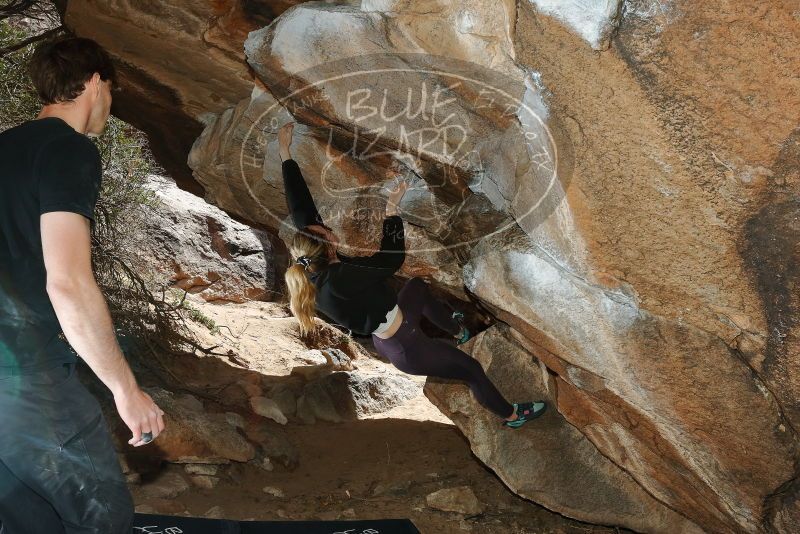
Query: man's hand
column 140, row 414
column 285, row 140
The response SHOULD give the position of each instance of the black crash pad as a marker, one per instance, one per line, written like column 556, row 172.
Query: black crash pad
column 162, row 524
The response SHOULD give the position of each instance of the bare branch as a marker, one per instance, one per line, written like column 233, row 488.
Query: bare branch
column 25, row 42
column 16, row 8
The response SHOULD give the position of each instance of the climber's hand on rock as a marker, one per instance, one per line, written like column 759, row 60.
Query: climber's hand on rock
column 285, row 140
column 395, row 196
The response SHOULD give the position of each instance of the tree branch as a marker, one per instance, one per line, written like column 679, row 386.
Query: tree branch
column 13, row 8
column 25, row 42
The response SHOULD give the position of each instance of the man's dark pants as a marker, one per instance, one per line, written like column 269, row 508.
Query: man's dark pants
column 59, row 473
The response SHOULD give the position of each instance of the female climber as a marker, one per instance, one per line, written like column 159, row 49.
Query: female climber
column 352, row 292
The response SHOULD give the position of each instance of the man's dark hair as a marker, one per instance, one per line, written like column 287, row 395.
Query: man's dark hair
column 59, row 69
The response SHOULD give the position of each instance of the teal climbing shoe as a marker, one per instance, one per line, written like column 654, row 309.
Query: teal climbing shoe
column 465, row 334
column 526, row 411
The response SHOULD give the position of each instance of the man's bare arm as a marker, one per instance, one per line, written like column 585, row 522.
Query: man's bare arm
column 85, row 319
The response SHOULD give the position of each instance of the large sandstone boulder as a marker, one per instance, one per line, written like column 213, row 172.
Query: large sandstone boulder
column 548, row 460
column 193, row 435
column 236, row 160
column 349, row 396
column 644, row 248
column 615, row 357
column 178, row 62
column 202, row 250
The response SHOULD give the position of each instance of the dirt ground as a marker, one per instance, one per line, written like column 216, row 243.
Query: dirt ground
column 369, row 469
column 382, row 466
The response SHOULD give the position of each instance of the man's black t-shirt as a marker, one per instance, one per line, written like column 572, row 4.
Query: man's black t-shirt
column 45, row 166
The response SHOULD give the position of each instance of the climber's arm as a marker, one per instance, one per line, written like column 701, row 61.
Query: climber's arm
column 298, row 198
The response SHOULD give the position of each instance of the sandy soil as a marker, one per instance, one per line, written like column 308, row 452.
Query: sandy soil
column 379, row 467
column 369, row 470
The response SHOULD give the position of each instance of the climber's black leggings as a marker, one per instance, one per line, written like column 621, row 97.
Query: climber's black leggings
column 411, row 351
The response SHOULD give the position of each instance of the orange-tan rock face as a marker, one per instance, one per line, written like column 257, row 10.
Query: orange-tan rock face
column 630, row 212
column 548, row 461
column 179, row 63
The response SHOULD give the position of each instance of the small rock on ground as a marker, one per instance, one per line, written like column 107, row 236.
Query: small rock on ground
column 275, row 492
column 461, row 500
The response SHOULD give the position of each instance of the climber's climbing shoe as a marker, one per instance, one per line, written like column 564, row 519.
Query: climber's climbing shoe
column 465, row 334
column 526, row 411
column 464, row 337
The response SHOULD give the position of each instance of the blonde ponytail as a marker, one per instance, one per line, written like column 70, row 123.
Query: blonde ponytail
column 302, row 296
column 302, row 292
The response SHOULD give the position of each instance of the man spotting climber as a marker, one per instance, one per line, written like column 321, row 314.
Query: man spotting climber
column 59, row 472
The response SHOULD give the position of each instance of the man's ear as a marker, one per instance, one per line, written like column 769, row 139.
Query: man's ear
column 94, row 84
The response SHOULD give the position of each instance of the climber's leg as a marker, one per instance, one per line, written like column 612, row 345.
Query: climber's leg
column 416, row 299
column 411, row 351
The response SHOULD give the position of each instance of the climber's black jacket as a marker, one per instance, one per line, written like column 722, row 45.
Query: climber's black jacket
column 352, row 293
